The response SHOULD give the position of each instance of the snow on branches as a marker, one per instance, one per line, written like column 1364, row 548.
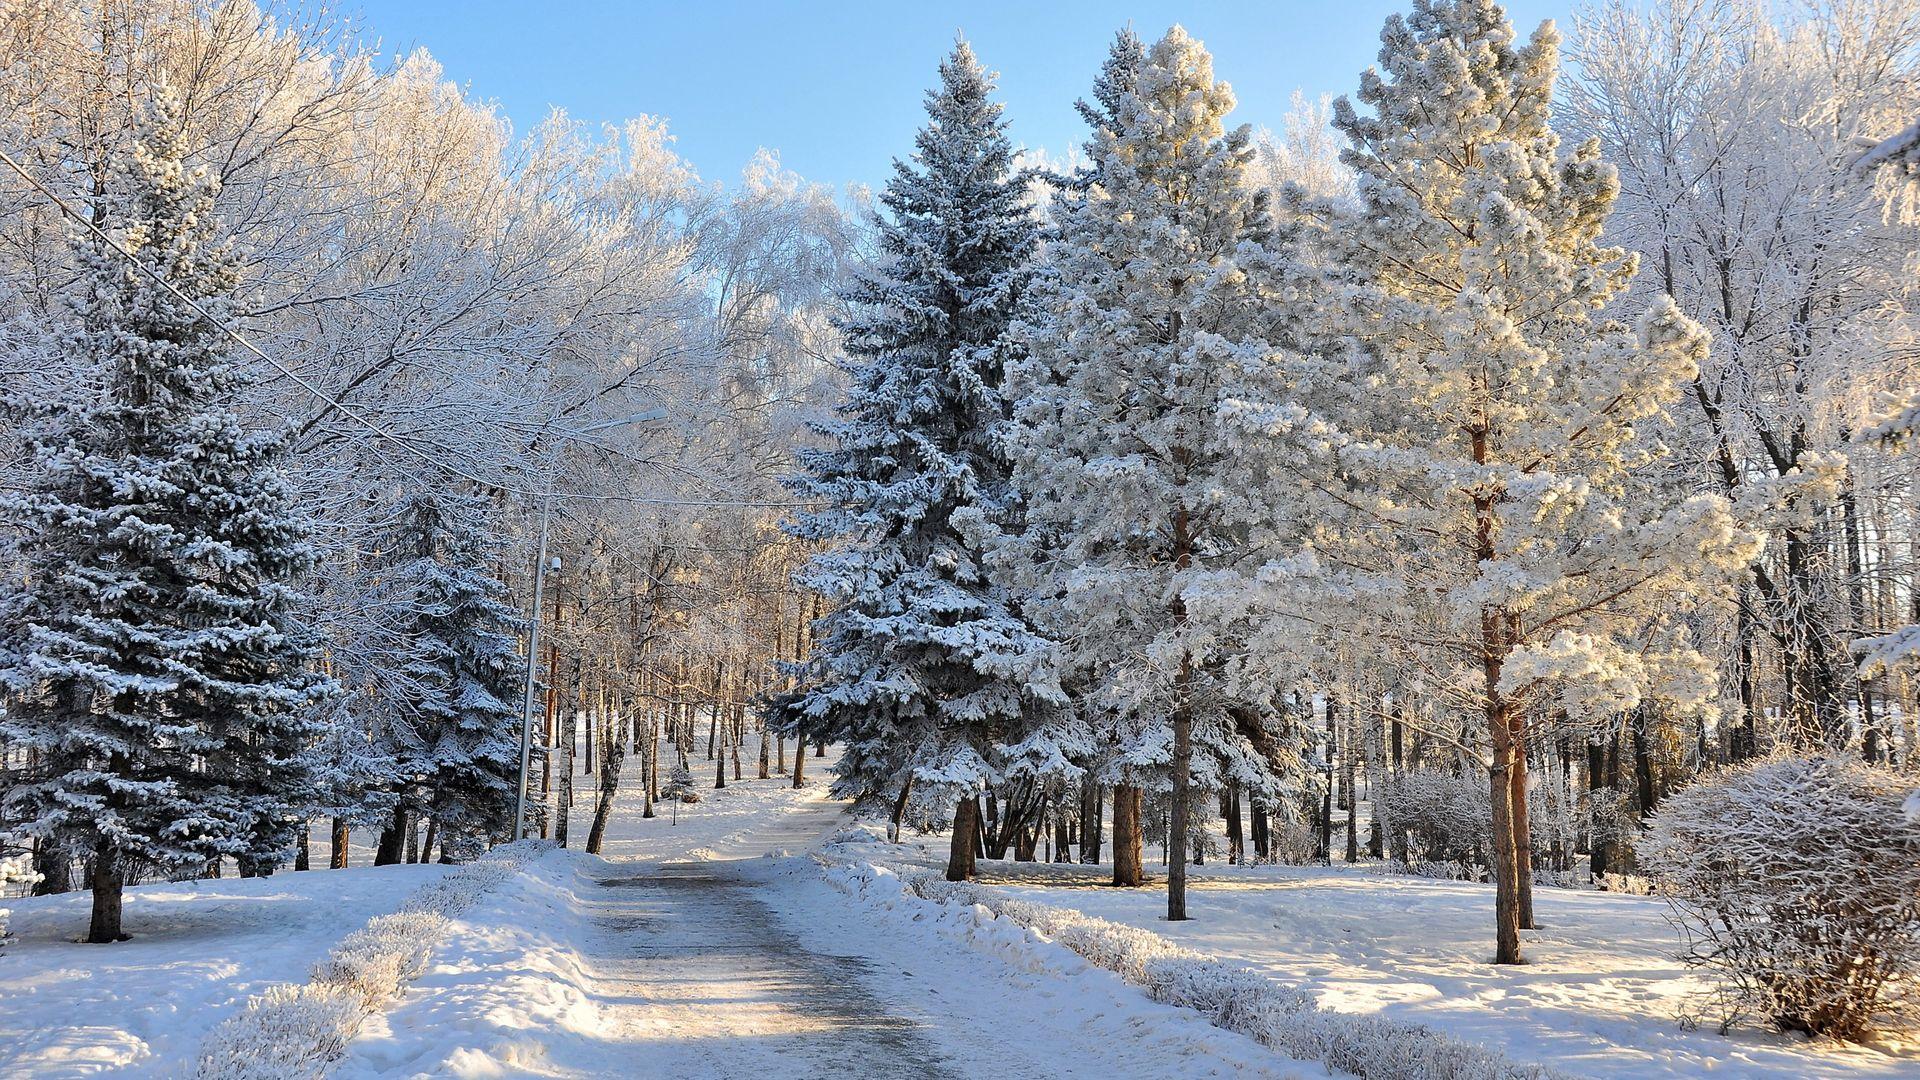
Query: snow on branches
column 1797, row 883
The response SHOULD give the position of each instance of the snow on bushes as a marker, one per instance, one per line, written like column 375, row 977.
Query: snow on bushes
column 295, row 1032
column 1445, row 815
column 1797, row 881
column 14, row 870
column 1237, row 999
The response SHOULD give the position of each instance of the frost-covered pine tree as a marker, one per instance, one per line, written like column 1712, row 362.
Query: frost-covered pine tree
column 925, row 665
column 1476, row 439
column 450, row 720
column 152, row 655
column 1144, row 328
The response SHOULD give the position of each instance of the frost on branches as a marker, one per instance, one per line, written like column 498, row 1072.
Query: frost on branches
column 925, row 665
column 1797, row 881
column 1484, row 480
column 1899, row 151
column 1147, row 325
column 154, row 670
column 449, row 724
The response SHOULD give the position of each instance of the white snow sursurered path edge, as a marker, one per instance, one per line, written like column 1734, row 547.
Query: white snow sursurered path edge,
column 1601, row 996
column 719, row 950
column 140, row 1008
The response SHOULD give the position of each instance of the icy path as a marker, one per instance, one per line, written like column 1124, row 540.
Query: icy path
column 698, row 954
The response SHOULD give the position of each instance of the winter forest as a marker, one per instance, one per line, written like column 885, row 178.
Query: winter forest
column 1422, row 585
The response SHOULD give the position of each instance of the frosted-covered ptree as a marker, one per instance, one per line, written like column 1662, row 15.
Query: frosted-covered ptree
column 1898, row 151
column 449, row 720
column 1143, row 329
column 151, row 654
column 1474, row 436
column 924, row 666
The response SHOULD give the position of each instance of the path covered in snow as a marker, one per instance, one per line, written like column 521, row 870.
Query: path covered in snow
column 717, row 948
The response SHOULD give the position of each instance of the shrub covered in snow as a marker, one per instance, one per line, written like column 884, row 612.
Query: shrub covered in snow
column 288, row 1032
column 680, row 786
column 294, row 1032
column 1797, row 881
column 1445, row 815
column 1237, row 999
column 14, row 870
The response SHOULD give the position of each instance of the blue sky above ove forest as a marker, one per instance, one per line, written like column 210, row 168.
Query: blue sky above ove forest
column 835, row 87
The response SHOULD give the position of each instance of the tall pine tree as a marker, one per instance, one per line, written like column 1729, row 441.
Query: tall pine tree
column 925, row 667
column 151, row 655
column 1475, row 439
column 1146, row 325
column 450, row 725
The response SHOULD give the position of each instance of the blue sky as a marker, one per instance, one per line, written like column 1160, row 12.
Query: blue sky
column 836, row 87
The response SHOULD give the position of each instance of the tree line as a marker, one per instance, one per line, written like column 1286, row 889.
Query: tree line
column 1525, row 460
column 307, row 351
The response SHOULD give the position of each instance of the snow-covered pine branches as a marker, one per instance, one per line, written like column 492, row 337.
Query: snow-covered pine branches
column 1146, row 324
column 449, row 705
column 1473, row 436
column 153, row 663
column 925, row 665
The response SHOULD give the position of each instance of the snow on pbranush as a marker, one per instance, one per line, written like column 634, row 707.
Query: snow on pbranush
column 156, row 670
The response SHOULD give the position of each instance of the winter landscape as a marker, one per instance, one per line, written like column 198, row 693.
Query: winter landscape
column 819, row 541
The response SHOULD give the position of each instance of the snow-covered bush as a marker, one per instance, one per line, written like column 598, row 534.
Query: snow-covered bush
column 1292, row 839
column 1446, row 815
column 1797, row 881
column 285, row 1033
column 680, row 786
column 1627, row 884
column 376, row 961
column 14, row 870
column 1282, row 1018
column 298, row 1032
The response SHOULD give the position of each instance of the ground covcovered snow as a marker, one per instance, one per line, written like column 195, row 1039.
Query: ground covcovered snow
column 716, row 949
column 1603, row 996
column 200, row 949
column 1231, row 996
column 300, row 1030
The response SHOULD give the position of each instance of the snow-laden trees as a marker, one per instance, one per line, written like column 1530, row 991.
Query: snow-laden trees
column 925, row 665
column 572, row 310
column 1473, row 432
column 1735, row 129
column 1146, row 328
column 154, row 665
column 450, row 701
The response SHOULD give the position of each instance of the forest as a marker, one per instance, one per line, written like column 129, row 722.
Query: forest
column 1501, row 475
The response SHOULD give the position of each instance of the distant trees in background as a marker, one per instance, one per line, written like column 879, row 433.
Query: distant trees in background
column 257, row 600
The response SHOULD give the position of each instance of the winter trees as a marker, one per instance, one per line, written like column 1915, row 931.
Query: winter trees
column 150, row 655
column 1481, row 466
column 496, row 309
column 449, row 735
column 925, row 664
column 1146, row 329
column 1735, row 129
